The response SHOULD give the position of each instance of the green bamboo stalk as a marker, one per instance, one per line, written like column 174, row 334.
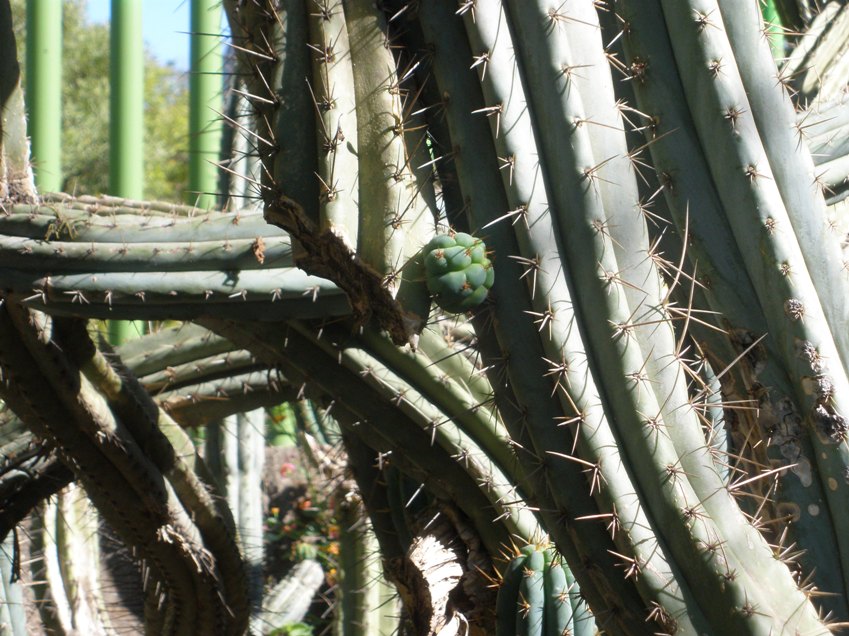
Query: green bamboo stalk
column 126, row 119
column 205, row 102
column 126, row 100
column 44, row 90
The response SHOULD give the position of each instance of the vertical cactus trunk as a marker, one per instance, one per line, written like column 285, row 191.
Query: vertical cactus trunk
column 12, row 609
column 236, row 449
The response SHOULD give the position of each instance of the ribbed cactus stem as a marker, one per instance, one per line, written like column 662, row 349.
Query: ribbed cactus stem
column 479, row 178
column 332, row 86
column 12, row 610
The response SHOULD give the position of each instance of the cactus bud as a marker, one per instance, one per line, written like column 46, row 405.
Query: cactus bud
column 458, row 272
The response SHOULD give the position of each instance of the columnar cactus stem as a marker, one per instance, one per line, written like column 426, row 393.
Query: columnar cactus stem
column 333, row 91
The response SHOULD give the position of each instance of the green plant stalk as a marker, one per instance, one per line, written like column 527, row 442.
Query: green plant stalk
column 536, row 406
column 774, row 29
column 332, row 85
column 778, row 267
column 126, row 100
column 718, row 264
column 12, row 611
column 126, row 118
column 564, row 351
column 44, row 87
column 205, row 102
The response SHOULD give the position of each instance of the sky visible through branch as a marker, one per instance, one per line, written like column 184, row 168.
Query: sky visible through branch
column 165, row 28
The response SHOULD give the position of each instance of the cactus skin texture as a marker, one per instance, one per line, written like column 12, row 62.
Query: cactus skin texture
column 538, row 596
column 458, row 272
column 583, row 413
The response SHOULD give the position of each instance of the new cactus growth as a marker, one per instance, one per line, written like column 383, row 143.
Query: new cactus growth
column 538, row 596
column 458, row 272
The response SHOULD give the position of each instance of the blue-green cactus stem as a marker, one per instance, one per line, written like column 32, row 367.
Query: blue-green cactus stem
column 380, row 144
column 170, row 450
column 565, row 351
column 171, row 346
column 332, row 84
column 609, row 207
column 791, row 165
column 395, row 222
column 495, row 481
column 58, row 255
column 474, row 418
column 174, row 377
column 784, row 287
column 206, row 402
column 272, row 294
column 696, row 207
column 365, row 466
column 91, row 466
column 485, row 197
column 107, row 223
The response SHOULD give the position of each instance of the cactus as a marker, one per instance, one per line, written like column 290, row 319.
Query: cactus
column 657, row 380
column 537, row 595
column 459, row 274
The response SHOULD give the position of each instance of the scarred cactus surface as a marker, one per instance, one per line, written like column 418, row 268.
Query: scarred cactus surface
column 459, row 273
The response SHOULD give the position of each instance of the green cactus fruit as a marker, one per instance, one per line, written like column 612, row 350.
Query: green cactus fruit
column 458, row 272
